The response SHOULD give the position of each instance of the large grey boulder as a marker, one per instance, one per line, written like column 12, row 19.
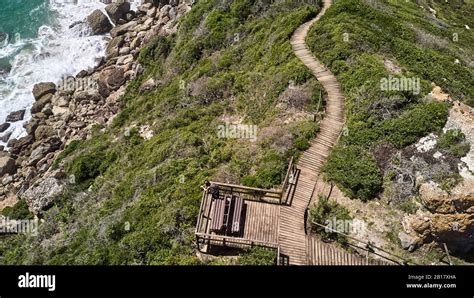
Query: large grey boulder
column 99, row 22
column 112, row 50
column 42, row 195
column 407, row 241
column 41, row 89
column 43, row 149
column 6, row 136
column 44, row 132
column 16, row 146
column 117, row 11
column 122, row 29
column 40, row 103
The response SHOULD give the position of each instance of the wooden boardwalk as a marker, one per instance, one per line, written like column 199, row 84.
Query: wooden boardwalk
column 293, row 240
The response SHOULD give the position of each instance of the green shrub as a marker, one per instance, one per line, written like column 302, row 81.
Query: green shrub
column 258, row 256
column 88, row 165
column 454, row 142
column 416, row 123
column 18, row 211
column 355, row 171
column 269, row 173
column 409, row 206
column 326, row 211
column 447, row 181
column 66, row 152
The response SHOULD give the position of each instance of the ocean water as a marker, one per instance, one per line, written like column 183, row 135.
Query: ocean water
column 38, row 45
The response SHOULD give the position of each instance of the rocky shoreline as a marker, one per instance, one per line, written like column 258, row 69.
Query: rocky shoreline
column 67, row 111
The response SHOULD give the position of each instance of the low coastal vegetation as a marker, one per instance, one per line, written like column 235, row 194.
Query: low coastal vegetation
column 454, row 142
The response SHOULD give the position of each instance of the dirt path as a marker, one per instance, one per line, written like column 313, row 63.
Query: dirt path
column 292, row 238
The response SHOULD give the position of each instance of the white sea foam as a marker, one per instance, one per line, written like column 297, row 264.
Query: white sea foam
column 57, row 51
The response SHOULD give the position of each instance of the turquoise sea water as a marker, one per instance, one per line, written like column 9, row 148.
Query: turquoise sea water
column 20, row 19
column 38, row 44
column 23, row 16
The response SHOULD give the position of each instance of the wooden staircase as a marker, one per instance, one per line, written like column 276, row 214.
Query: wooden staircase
column 293, row 241
column 324, row 254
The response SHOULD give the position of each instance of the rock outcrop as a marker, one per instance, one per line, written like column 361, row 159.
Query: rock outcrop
column 42, row 89
column 4, row 126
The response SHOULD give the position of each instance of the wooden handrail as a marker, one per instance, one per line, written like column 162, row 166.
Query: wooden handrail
column 237, row 240
column 363, row 242
column 247, row 187
column 287, row 177
column 201, row 211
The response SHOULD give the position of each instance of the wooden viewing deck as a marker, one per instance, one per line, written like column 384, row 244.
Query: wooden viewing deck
column 259, row 219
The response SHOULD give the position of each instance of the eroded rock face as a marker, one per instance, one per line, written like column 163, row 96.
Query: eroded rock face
column 99, row 22
column 456, row 230
column 449, row 218
column 42, row 195
column 440, row 201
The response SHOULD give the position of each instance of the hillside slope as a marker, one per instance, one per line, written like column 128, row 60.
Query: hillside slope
column 229, row 67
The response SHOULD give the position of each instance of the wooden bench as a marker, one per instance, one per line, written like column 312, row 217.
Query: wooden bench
column 237, row 214
column 218, row 213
